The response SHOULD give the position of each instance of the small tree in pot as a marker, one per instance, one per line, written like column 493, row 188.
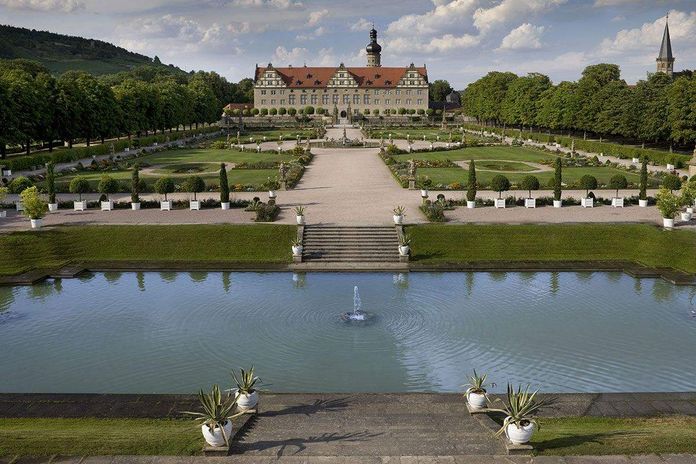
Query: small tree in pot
column 195, row 185
column 530, row 183
column 271, row 185
column 500, row 184
column 618, row 182
column 471, row 186
column 51, row 187
column 476, row 394
column 558, row 183
column 217, row 416
column 107, row 186
column 520, row 408
column 165, row 186
column 224, row 188
column 136, row 187
column 688, row 197
column 643, row 185
column 672, row 182
column 247, row 394
column 35, row 207
column 426, row 183
column 79, row 185
column 588, row 183
column 668, row 204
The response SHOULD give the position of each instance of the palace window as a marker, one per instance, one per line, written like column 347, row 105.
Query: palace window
column 420, row 101
column 273, row 101
column 303, row 99
column 335, row 99
column 314, row 99
column 408, row 92
column 398, row 92
column 419, row 92
column 282, row 101
column 386, row 101
column 376, row 101
column 356, row 99
column 346, row 99
column 324, row 99
column 263, row 92
column 263, row 101
column 366, row 99
column 273, row 92
column 398, row 101
column 408, row 101
column 376, row 92
column 291, row 99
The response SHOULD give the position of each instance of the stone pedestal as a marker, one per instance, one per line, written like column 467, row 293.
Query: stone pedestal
column 411, row 184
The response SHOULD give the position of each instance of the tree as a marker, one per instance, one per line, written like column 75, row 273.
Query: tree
column 672, row 182
column 79, row 185
column 195, row 185
column 521, row 99
column 224, row 185
column 34, row 206
column 588, row 183
column 643, row 195
column 681, row 100
column 164, row 186
column 557, row 179
column 107, row 185
column 471, row 184
column 438, row 90
column 51, row 182
column 530, row 183
column 135, row 184
column 618, row 182
column 19, row 184
column 500, row 184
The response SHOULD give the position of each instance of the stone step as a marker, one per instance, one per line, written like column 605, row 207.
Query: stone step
column 331, row 244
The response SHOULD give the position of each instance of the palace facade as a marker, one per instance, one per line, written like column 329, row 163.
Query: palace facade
column 343, row 91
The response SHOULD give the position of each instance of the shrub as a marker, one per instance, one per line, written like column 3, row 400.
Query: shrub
column 558, row 179
column 618, row 182
column 19, row 184
column 255, row 111
column 34, row 206
column 79, row 185
column 51, row 182
column 421, row 111
column 108, row 185
column 500, row 184
column 643, row 195
column 136, row 186
column 164, row 186
column 292, row 111
column 667, row 203
column 273, row 112
column 434, row 212
column 375, row 112
column 471, row 185
column 195, row 185
column 672, row 182
column 282, row 111
column 224, row 185
column 264, row 111
column 309, row 110
column 266, row 212
column 588, row 183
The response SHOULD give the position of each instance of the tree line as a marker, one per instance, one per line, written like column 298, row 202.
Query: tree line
column 659, row 110
column 36, row 107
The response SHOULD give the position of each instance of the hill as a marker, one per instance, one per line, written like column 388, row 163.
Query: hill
column 61, row 53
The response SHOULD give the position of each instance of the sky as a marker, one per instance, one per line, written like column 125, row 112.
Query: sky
column 458, row 40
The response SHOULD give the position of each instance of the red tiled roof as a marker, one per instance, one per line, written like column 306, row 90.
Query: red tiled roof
column 318, row 77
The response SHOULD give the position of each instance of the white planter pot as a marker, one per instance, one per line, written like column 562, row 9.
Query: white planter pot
column 7, row 172
column 424, row 193
column 477, row 400
column 271, row 194
column 52, row 207
column 248, row 401
column 19, row 206
column 670, row 167
column 3, row 214
column 470, row 204
column 557, row 203
column 297, row 250
column 500, row 203
column 404, row 250
column 668, row 223
column 690, row 210
column 299, row 220
column 165, row 205
column 107, row 205
column 617, row 202
column 643, row 203
column 135, row 206
column 587, row 202
column 530, row 202
column 225, row 205
column 80, row 205
column 519, row 435
column 685, row 217
column 195, row 205
column 635, row 161
column 215, row 438
column 398, row 219
column 36, row 223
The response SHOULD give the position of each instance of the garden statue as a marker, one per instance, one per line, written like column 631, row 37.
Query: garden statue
column 238, row 141
column 572, row 147
column 112, row 149
column 412, row 174
column 283, row 171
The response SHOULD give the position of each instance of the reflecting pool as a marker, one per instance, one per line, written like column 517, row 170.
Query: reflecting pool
column 177, row 332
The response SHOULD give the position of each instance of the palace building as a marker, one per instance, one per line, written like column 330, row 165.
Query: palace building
column 343, row 91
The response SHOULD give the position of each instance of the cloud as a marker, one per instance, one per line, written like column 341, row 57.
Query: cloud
column 362, row 25
column 510, row 10
column 279, row 4
column 524, row 37
column 318, row 32
column 445, row 43
column 605, row 3
column 64, row 6
column 316, row 16
column 445, row 14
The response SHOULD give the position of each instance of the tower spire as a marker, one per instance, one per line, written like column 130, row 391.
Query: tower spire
column 665, row 60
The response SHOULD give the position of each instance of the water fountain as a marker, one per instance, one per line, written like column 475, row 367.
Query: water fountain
column 357, row 315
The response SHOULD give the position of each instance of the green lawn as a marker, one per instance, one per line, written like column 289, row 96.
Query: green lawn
column 605, row 436
column 192, row 244
column 492, row 165
column 640, row 243
column 417, row 134
column 481, row 153
column 99, row 437
column 209, row 155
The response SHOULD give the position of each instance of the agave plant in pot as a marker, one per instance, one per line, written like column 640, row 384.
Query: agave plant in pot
column 520, row 408
column 399, row 213
column 476, row 393
column 299, row 215
column 296, row 246
column 216, row 416
column 404, row 245
column 247, row 394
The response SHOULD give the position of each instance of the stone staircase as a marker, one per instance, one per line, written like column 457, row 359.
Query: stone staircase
column 329, row 244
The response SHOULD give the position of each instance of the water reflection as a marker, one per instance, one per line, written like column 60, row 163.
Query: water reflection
column 198, row 276
column 498, row 276
column 469, row 280
column 299, row 279
column 140, row 278
column 168, row 276
column 401, row 280
column 555, row 284
column 112, row 277
column 226, row 281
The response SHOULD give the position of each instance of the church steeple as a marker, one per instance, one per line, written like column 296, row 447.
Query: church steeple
column 374, row 50
column 665, row 60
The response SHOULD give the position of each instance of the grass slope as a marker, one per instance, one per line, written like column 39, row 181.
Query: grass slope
column 233, row 244
column 610, row 436
column 99, row 437
column 481, row 153
column 640, row 243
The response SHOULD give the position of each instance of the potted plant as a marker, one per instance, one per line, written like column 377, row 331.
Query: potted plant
column 51, row 187
column 588, row 183
column 79, row 185
column 271, row 185
column 247, row 395
column 107, row 186
column 668, row 204
column 296, row 245
column 426, row 183
column 643, row 194
column 3, row 194
column 399, row 213
column 520, row 408
column 688, row 196
column 476, row 394
column 224, row 188
column 558, row 183
column 672, row 182
column 165, row 186
column 217, row 416
column 618, row 182
column 299, row 214
column 195, row 185
column 471, row 186
column 530, row 183
column 136, row 188
column 404, row 245
column 500, row 184
column 34, row 206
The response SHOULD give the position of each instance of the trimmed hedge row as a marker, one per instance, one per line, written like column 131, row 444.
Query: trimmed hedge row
column 611, row 149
